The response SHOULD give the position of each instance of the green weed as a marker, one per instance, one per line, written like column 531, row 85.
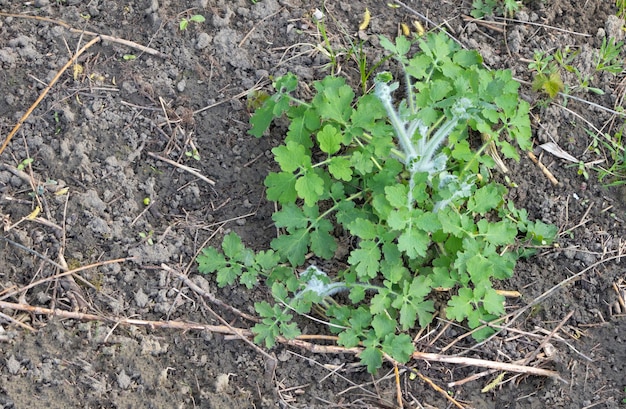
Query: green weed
column 184, row 22
column 506, row 8
column 400, row 178
column 609, row 56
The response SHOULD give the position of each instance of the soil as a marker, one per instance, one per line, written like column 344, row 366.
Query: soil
column 97, row 133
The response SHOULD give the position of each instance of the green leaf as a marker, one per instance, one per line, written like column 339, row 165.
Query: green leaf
column 412, row 304
column 302, row 126
column 348, row 338
column 363, row 229
column 439, row 89
column 289, row 331
column 291, row 156
column 498, row 233
column 383, row 325
column 329, row 139
column 310, row 187
column 479, row 268
column 340, row 168
column 290, row 216
column 262, row 118
column 227, row 275
column 493, row 302
column 486, row 198
column 400, row 347
column 368, row 111
column 357, row 294
column 380, row 302
column 334, row 99
column 249, row 278
column 366, row 259
column 286, row 83
column 362, row 163
column 361, row 319
column 210, row 260
column 232, row 246
column 267, row 260
column 467, row 58
column 541, row 233
column 281, row 187
column 414, row 242
column 293, row 246
column 397, row 195
column 198, row 18
column 323, row 244
column 427, row 221
column 372, row 358
column 459, row 306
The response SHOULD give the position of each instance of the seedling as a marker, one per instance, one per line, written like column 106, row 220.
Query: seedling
column 57, row 121
column 609, row 56
column 507, row 8
column 147, row 237
column 23, row 164
column 400, row 177
column 196, row 18
column 193, row 154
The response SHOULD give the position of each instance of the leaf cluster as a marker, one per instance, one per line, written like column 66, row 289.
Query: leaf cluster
column 343, row 170
column 506, row 8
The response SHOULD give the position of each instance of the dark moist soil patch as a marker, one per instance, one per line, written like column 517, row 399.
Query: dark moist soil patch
column 93, row 134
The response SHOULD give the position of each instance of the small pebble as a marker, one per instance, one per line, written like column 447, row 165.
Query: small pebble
column 203, row 41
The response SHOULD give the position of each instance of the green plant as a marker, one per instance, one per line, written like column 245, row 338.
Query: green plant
column 193, row 153
column 403, row 182
column 609, row 56
column 147, row 237
column 507, row 8
column 615, row 173
column 25, row 163
column 621, row 8
column 184, row 22
column 547, row 78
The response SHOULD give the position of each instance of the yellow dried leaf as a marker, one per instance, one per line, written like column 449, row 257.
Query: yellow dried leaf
column 494, row 383
column 61, row 192
column 78, row 69
column 419, row 28
column 366, row 20
column 34, row 213
column 406, row 31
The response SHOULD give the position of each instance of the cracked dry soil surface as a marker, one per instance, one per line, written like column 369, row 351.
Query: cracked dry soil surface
column 101, row 132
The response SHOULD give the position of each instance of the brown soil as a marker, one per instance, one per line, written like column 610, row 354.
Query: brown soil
column 95, row 132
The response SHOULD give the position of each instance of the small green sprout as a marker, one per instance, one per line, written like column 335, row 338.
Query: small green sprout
column 193, row 154
column 147, row 237
column 129, row 57
column 26, row 162
column 196, row 18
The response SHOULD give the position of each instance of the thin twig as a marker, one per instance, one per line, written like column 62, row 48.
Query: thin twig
column 501, row 366
column 63, row 274
column 183, row 167
column 543, row 168
column 205, row 294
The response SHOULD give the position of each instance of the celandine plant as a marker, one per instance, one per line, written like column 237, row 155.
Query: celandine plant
column 401, row 179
